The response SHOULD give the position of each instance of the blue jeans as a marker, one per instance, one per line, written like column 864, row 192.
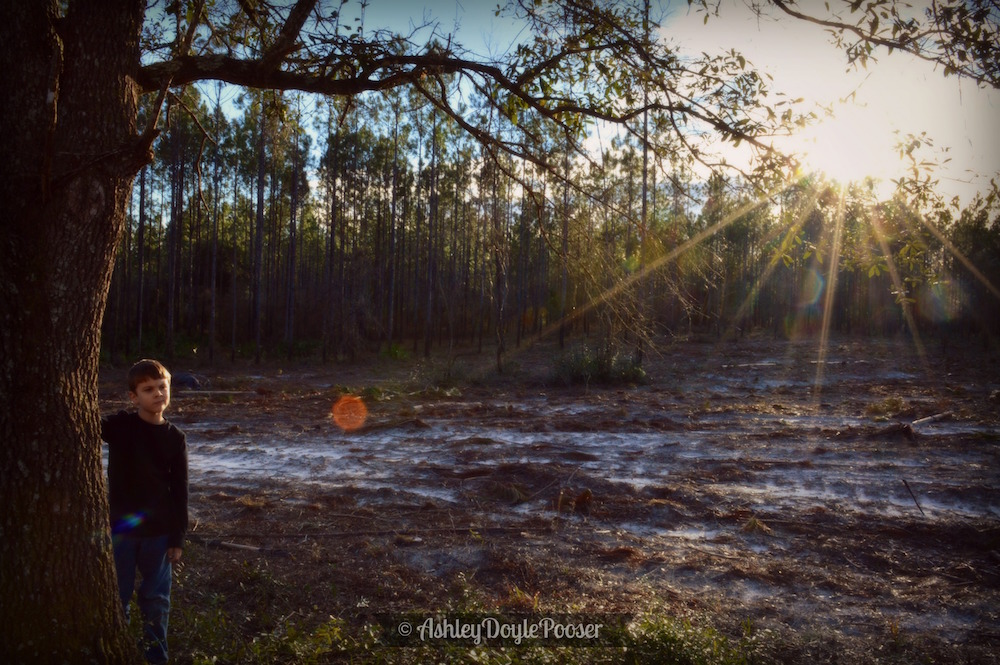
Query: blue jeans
column 149, row 556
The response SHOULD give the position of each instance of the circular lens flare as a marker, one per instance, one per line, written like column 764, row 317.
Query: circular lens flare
column 349, row 413
column 811, row 289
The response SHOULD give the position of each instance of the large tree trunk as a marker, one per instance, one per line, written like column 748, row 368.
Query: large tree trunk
column 71, row 152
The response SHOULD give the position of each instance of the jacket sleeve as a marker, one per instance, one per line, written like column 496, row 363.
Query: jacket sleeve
column 106, row 427
column 111, row 424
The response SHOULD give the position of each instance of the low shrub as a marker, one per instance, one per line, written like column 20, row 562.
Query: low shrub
column 607, row 366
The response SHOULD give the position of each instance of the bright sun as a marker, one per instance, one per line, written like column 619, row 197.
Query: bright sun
column 851, row 145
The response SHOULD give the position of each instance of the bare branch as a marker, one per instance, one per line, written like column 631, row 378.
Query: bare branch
column 285, row 44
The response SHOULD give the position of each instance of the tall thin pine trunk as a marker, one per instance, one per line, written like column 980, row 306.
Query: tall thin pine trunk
column 213, row 279
column 141, row 259
column 258, row 260
column 290, row 298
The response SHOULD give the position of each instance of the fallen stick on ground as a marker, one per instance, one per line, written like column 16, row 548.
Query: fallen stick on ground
column 226, row 545
column 914, row 496
column 932, row 419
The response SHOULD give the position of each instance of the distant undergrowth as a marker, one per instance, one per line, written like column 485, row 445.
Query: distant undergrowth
column 603, row 366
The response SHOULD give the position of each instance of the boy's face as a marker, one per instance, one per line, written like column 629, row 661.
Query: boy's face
column 151, row 396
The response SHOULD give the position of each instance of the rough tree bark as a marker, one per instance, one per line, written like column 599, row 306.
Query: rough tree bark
column 68, row 127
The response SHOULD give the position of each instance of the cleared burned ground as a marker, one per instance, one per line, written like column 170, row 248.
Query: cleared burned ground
column 841, row 510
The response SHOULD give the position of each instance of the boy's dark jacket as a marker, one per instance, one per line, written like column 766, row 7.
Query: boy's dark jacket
column 147, row 477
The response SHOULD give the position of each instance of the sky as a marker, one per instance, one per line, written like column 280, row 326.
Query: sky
column 899, row 93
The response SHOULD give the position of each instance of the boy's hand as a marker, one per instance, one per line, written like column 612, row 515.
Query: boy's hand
column 174, row 554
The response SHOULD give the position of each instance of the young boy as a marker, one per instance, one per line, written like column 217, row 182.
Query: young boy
column 148, row 494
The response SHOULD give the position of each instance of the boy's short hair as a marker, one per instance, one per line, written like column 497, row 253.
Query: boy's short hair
column 146, row 370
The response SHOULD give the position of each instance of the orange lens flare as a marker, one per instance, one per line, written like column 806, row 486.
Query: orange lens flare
column 349, row 412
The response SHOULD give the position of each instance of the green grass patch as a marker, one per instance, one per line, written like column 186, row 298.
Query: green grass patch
column 209, row 635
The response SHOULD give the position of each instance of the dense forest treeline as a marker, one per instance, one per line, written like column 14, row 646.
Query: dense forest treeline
column 395, row 230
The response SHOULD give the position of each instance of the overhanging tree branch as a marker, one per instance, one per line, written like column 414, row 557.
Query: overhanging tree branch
column 963, row 36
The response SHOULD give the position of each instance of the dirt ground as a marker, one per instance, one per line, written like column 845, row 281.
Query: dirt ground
column 843, row 502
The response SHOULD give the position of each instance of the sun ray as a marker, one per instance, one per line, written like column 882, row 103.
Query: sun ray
column 836, row 239
column 831, row 289
column 613, row 291
column 897, row 282
column 954, row 251
column 792, row 229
